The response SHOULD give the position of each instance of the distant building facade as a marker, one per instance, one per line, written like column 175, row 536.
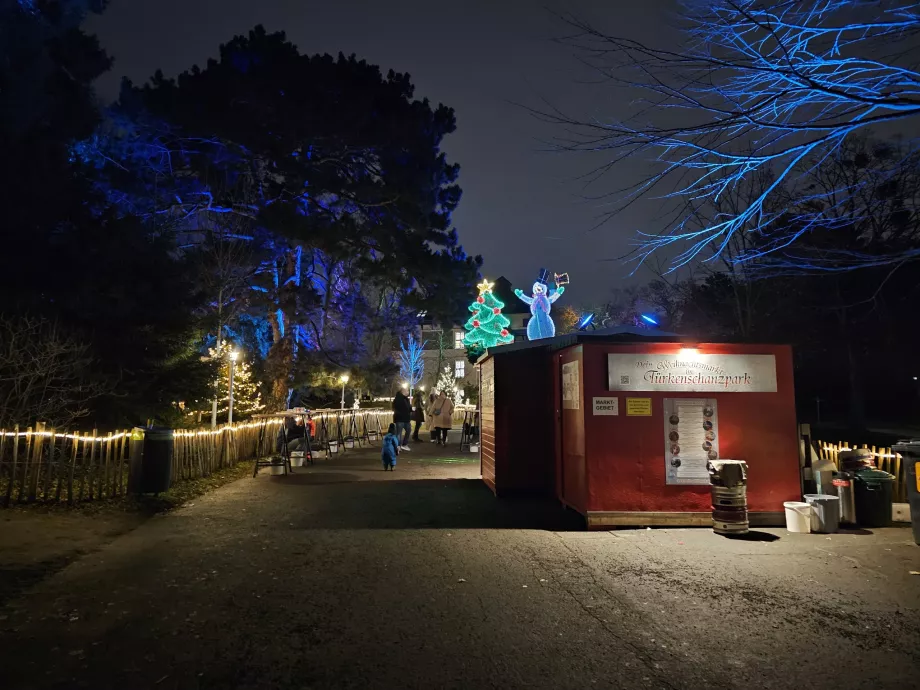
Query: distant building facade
column 444, row 343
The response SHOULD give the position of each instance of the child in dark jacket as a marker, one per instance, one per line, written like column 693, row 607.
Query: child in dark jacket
column 390, row 448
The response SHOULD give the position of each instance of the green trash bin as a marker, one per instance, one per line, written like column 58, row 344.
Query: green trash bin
column 873, row 494
column 910, row 452
column 156, row 465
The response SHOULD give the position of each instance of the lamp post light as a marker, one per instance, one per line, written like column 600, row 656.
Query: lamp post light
column 233, row 354
column 344, row 379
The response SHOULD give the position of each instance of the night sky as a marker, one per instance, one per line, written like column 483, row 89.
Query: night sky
column 523, row 206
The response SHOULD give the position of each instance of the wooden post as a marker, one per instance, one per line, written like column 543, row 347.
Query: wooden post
column 222, row 450
column 46, row 480
column 107, row 459
column 82, row 470
column 9, row 496
column 26, row 467
column 60, row 470
column 37, row 447
column 121, row 462
column 177, row 456
column 135, row 458
column 12, row 476
column 92, row 463
column 73, row 464
column 896, row 471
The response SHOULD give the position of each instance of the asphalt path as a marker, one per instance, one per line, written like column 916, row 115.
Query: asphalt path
column 345, row 576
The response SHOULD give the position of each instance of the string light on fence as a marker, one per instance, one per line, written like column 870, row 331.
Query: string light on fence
column 870, row 452
column 49, row 434
column 183, row 433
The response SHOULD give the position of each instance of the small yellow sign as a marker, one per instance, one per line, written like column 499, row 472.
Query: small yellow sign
column 917, row 472
column 638, row 407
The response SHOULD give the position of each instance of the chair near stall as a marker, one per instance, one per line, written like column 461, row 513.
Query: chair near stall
column 280, row 462
column 304, row 431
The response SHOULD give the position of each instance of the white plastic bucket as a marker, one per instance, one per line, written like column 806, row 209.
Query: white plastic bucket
column 277, row 470
column 798, row 516
column 474, row 448
column 349, row 443
column 297, row 459
column 333, row 446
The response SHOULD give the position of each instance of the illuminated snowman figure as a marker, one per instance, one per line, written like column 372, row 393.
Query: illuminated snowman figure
column 541, row 300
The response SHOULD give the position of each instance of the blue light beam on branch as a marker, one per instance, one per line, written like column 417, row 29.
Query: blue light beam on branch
column 761, row 88
column 411, row 364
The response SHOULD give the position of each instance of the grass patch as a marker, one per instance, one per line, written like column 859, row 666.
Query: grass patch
column 181, row 492
column 187, row 489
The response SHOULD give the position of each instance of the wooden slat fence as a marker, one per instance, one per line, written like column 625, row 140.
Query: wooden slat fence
column 38, row 464
column 337, row 425
column 885, row 459
column 41, row 465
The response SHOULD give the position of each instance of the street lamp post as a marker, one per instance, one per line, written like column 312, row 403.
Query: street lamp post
column 344, row 380
column 232, row 355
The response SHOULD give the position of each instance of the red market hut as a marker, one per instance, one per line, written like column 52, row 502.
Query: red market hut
column 619, row 425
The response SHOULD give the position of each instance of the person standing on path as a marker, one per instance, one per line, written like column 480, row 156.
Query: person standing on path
column 418, row 413
column 402, row 417
column 442, row 413
column 431, row 398
column 390, row 449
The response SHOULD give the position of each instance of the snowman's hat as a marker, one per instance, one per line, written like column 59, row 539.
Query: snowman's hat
column 544, row 277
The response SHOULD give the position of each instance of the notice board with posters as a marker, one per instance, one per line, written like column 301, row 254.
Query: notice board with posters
column 691, row 439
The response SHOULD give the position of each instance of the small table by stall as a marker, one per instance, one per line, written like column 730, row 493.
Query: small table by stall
column 283, row 459
column 469, row 430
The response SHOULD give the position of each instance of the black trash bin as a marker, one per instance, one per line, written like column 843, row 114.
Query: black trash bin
column 873, row 494
column 910, row 452
column 156, row 465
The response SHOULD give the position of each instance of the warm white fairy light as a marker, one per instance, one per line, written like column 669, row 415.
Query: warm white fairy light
column 873, row 454
column 183, row 433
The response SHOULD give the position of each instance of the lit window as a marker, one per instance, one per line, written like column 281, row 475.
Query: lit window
column 458, row 340
column 460, row 368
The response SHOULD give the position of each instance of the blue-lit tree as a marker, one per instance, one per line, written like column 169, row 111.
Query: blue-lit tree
column 769, row 88
column 337, row 170
column 411, row 363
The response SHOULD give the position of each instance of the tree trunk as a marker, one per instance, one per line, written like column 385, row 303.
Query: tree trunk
column 220, row 327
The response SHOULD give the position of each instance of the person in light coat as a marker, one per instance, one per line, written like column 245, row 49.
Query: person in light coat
column 441, row 413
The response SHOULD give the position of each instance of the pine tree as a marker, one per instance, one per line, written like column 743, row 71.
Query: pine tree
column 247, row 399
column 487, row 326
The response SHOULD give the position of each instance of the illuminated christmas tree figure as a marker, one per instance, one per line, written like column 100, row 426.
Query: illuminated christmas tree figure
column 246, row 397
column 447, row 384
column 487, row 326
